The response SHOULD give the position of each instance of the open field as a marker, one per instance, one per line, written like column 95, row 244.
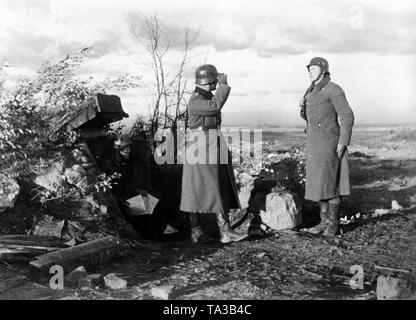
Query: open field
column 283, row 265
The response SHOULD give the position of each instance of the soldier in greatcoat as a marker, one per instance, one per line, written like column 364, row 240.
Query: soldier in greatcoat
column 329, row 127
column 208, row 183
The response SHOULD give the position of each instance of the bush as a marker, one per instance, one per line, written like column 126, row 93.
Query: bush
column 403, row 135
column 33, row 111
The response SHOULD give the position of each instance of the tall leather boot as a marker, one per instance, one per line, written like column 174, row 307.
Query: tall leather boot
column 227, row 234
column 324, row 219
column 333, row 215
column 198, row 234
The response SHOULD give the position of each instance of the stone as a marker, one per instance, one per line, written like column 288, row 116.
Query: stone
column 9, row 191
column 103, row 209
column 51, row 178
column 76, row 175
column 90, row 282
column 380, row 212
column 389, row 288
column 396, row 206
column 113, row 282
column 90, row 200
column 283, row 211
column 162, row 292
column 73, row 277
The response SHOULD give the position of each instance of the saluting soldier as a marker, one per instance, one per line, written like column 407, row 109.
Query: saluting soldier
column 208, row 184
column 329, row 127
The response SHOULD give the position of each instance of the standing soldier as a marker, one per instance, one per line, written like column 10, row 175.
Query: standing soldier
column 329, row 126
column 208, row 186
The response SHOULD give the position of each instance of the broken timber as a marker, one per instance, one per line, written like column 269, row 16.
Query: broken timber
column 20, row 248
column 91, row 254
column 29, row 240
column 391, row 269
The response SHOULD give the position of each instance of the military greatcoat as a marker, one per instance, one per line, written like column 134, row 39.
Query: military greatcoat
column 208, row 186
column 330, row 121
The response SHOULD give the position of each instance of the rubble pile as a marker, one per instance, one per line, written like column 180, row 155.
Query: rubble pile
column 270, row 187
column 9, row 191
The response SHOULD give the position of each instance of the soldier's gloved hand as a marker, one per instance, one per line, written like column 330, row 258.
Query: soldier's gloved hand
column 222, row 78
column 340, row 150
column 302, row 102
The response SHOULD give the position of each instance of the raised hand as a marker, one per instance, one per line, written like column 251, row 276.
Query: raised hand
column 222, row 78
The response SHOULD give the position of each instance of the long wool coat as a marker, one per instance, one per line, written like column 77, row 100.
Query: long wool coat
column 330, row 122
column 208, row 184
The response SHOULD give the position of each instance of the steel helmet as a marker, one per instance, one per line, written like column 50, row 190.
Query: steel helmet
column 206, row 74
column 320, row 62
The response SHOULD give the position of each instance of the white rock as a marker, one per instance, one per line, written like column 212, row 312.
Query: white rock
column 380, row 212
column 51, row 177
column 113, row 282
column 389, row 288
column 76, row 176
column 9, row 191
column 283, row 211
column 162, row 292
column 396, row 206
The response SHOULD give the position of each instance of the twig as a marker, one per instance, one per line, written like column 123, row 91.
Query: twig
column 391, row 269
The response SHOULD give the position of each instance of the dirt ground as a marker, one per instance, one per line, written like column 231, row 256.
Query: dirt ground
column 283, row 265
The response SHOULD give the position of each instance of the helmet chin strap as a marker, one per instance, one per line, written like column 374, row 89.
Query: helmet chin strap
column 321, row 76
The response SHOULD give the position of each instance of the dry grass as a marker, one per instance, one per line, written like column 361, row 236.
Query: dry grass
column 403, row 134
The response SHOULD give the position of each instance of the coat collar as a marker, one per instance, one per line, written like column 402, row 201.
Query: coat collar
column 322, row 83
column 319, row 86
column 202, row 92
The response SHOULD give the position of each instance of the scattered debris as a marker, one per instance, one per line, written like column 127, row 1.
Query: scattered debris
column 48, row 226
column 73, row 231
column 50, row 176
column 90, row 282
column 142, row 205
column 348, row 220
column 113, row 282
column 73, row 277
column 16, row 248
column 162, row 292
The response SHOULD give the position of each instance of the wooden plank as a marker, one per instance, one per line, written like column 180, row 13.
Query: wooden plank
column 91, row 255
column 26, row 247
column 391, row 269
column 31, row 240
column 14, row 255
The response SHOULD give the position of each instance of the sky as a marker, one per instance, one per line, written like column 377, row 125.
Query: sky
column 263, row 46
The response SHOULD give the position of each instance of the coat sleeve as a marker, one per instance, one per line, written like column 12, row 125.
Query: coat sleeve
column 345, row 115
column 212, row 107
